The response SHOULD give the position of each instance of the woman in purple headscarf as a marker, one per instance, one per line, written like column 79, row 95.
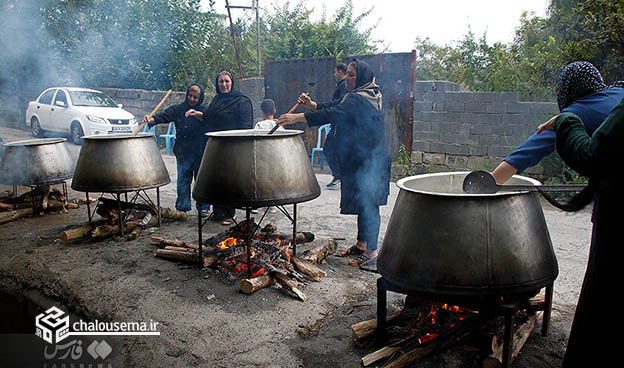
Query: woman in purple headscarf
column 361, row 153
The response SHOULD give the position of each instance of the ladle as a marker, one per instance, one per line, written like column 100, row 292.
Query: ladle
column 482, row 182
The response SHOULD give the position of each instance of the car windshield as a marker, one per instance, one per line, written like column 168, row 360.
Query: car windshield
column 90, row 98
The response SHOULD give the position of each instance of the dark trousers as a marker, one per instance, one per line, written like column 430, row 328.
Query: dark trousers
column 330, row 154
column 368, row 222
column 187, row 168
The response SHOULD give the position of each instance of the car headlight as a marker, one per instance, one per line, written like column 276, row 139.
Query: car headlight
column 97, row 119
column 133, row 121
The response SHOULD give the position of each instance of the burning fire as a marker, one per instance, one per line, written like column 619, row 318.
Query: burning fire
column 227, row 243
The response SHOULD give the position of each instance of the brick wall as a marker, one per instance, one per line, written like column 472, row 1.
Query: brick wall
column 461, row 130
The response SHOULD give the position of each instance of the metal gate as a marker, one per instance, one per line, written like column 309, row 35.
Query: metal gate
column 284, row 80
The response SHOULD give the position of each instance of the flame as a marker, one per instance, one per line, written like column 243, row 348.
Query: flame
column 227, row 243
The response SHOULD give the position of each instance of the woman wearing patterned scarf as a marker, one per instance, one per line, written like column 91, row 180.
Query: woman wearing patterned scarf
column 580, row 90
column 361, row 154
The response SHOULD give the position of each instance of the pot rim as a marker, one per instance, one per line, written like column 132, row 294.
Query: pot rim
column 116, row 136
column 35, row 142
column 254, row 133
column 401, row 183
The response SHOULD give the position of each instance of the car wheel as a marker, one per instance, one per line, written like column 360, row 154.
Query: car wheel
column 76, row 134
column 35, row 128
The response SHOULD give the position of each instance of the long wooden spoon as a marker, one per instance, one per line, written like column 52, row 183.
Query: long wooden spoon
column 153, row 112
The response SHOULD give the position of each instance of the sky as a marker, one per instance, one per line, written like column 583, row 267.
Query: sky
column 401, row 21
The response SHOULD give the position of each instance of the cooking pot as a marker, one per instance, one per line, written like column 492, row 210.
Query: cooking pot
column 251, row 169
column 444, row 242
column 119, row 163
column 36, row 162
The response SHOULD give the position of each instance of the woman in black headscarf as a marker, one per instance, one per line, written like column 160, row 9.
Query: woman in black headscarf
column 228, row 110
column 361, row 153
column 189, row 145
column 580, row 90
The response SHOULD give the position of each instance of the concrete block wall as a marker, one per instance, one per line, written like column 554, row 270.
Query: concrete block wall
column 454, row 129
column 254, row 89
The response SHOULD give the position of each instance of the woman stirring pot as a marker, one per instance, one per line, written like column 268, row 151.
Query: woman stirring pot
column 361, row 153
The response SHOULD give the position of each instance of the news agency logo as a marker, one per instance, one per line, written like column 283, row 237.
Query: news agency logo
column 51, row 326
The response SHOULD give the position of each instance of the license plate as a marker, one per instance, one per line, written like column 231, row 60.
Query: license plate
column 121, row 129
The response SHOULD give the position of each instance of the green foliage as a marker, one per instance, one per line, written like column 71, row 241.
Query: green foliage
column 403, row 165
column 573, row 30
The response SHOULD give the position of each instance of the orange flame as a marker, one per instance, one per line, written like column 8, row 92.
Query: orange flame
column 227, row 243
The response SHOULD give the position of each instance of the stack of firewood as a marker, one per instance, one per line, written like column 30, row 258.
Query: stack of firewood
column 412, row 336
column 272, row 261
column 37, row 201
column 137, row 216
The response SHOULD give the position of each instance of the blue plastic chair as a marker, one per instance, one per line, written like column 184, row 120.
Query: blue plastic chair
column 323, row 129
column 169, row 138
column 151, row 131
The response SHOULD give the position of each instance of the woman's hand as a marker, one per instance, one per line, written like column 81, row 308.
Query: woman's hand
column 547, row 125
column 305, row 101
column 286, row 119
column 147, row 120
column 194, row 113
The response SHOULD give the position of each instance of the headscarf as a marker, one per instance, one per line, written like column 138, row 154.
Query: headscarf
column 577, row 80
column 201, row 96
column 224, row 100
column 365, row 85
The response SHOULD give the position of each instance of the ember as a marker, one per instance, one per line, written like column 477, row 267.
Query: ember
column 266, row 260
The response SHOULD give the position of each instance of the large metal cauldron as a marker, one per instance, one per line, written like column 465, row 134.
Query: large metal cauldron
column 248, row 168
column 119, row 163
column 445, row 243
column 36, row 162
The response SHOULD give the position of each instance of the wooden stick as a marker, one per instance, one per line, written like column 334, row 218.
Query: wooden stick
column 521, row 334
column 289, row 284
column 104, row 230
column 250, row 286
column 153, row 112
column 14, row 215
column 177, row 255
column 309, row 269
column 173, row 242
column 384, row 352
column 76, row 233
column 364, row 329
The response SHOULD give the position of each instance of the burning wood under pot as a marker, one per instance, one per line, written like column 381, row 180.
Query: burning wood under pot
column 271, row 258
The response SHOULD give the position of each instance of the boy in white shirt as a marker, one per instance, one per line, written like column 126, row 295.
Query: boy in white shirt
column 268, row 110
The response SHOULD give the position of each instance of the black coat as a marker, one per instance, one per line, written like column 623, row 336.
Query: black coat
column 189, row 130
column 228, row 111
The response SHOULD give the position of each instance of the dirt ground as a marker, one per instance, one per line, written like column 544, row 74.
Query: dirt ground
column 207, row 322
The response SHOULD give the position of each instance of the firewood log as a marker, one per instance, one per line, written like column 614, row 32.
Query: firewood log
column 138, row 226
column 104, row 230
column 290, row 285
column 179, row 249
column 178, row 255
column 250, row 286
column 174, row 242
column 14, row 215
column 76, row 233
column 382, row 353
column 320, row 252
column 520, row 336
column 308, row 268
column 6, row 207
column 55, row 205
column 364, row 329
column 173, row 214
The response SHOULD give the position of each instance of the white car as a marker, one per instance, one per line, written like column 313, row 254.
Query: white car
column 79, row 112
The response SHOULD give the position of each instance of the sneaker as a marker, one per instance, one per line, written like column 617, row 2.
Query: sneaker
column 333, row 183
